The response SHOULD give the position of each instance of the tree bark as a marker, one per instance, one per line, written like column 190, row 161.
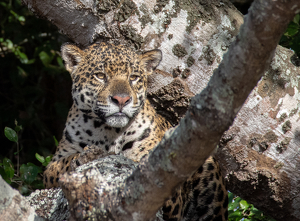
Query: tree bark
column 259, row 153
column 13, row 206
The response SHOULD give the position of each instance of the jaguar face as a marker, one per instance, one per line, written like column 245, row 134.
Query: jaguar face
column 109, row 82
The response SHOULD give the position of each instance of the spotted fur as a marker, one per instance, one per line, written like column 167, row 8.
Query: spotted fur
column 111, row 115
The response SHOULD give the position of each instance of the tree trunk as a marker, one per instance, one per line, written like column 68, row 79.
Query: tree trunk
column 259, row 153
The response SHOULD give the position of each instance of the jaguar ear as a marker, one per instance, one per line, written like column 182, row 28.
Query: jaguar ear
column 72, row 56
column 151, row 59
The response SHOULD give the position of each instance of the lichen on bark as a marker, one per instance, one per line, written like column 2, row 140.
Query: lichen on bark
column 179, row 51
column 131, row 34
column 107, row 5
column 127, row 9
column 197, row 10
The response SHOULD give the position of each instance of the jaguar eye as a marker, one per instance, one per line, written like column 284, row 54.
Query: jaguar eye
column 100, row 76
column 134, row 77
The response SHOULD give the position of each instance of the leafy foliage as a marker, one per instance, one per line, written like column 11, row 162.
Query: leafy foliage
column 11, row 134
column 239, row 209
column 291, row 38
column 29, row 178
column 7, row 170
column 35, row 88
column 43, row 160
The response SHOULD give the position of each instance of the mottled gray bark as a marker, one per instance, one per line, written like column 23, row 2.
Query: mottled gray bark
column 13, row 206
column 113, row 170
column 193, row 37
column 50, row 204
column 260, row 151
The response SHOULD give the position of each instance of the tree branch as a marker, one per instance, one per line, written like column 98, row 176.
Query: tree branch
column 79, row 25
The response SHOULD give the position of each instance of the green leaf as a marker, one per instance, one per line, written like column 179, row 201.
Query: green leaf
column 18, row 127
column 15, row 153
column 237, row 215
column 48, row 158
column 9, row 44
column 37, row 167
column 3, row 4
column 39, row 158
column 22, row 56
column 22, row 72
column 230, row 197
column 45, row 58
column 21, row 18
column 296, row 19
column 28, row 173
column 243, row 204
column 11, row 134
column 4, row 176
column 47, row 161
column 31, row 61
column 60, row 62
column 235, row 204
column 8, row 167
column 18, row 17
column 292, row 29
column 55, row 141
column 255, row 212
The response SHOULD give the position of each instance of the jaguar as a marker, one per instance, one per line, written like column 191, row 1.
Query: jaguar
column 111, row 114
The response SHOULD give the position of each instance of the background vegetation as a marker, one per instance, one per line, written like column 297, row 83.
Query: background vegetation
column 34, row 87
column 35, row 98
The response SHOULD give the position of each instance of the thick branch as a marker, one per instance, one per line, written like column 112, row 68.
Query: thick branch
column 260, row 151
column 211, row 113
column 79, row 25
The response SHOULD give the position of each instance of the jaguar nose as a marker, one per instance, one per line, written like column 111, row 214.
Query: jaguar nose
column 121, row 100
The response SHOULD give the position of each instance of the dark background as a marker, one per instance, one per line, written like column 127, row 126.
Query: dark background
column 35, row 89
